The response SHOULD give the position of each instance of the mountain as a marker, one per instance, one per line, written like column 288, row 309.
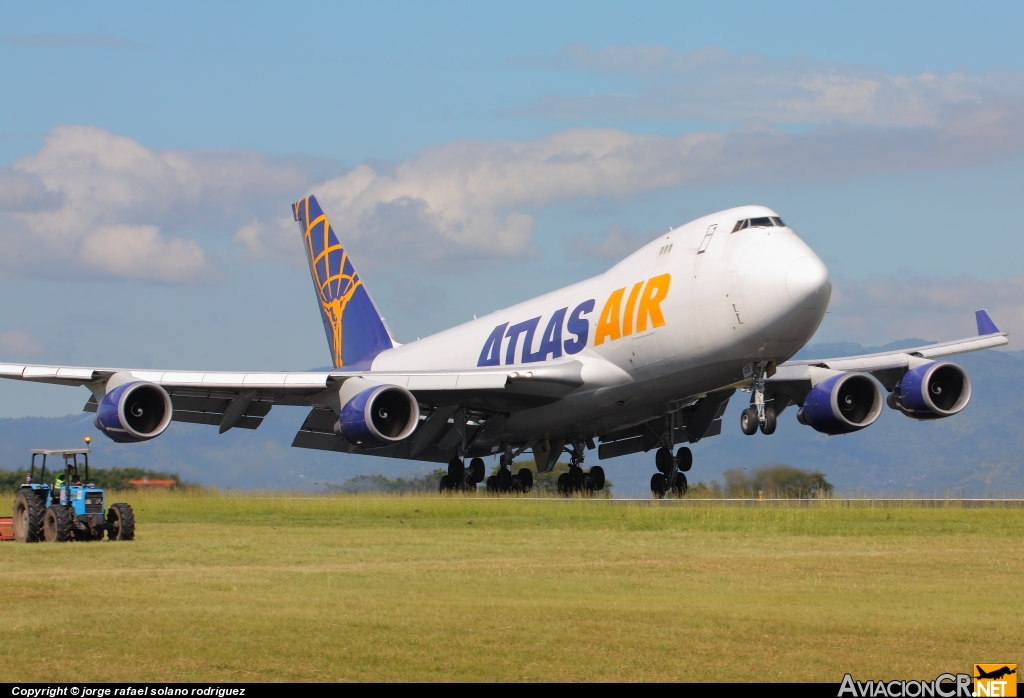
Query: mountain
column 977, row 452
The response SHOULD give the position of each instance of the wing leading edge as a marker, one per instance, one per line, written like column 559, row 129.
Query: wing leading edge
column 794, row 379
column 244, row 399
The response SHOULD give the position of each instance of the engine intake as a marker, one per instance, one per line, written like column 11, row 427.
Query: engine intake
column 379, row 416
column 842, row 404
column 133, row 412
column 932, row 391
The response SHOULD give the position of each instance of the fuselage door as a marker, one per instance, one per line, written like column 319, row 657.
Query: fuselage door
column 707, row 239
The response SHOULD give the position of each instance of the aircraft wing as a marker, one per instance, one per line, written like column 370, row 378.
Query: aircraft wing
column 794, row 379
column 244, row 399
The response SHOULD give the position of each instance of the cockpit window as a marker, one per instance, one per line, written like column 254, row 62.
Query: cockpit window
column 765, row 222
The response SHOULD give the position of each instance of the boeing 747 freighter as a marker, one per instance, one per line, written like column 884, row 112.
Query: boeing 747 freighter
column 643, row 357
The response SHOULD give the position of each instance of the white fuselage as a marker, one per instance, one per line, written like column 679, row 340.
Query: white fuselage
column 706, row 302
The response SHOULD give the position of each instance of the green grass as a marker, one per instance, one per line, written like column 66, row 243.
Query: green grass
column 219, row 588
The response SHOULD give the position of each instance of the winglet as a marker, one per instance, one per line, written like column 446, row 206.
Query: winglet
column 985, row 324
column 355, row 330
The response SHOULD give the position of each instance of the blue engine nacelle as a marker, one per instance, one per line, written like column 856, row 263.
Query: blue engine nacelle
column 842, row 404
column 133, row 412
column 932, row 391
column 379, row 416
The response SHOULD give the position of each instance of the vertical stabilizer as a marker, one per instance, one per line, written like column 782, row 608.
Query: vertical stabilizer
column 355, row 330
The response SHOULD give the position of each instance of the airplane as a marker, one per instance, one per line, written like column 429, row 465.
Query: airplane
column 995, row 674
column 643, row 357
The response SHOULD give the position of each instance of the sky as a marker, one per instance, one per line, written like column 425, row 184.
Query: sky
column 474, row 155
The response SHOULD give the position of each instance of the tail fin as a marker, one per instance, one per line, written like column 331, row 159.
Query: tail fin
column 355, row 330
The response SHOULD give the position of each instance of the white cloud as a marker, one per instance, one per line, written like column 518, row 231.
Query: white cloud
column 18, row 344
column 107, row 206
column 886, row 309
column 139, row 252
column 712, row 84
column 472, row 201
column 276, row 239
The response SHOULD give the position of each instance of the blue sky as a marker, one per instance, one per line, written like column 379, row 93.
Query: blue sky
column 474, row 155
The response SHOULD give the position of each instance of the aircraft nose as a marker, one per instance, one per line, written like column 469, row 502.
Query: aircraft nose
column 808, row 282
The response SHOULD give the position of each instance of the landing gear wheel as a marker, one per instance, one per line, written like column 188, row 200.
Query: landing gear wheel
column 684, row 458
column 58, row 524
column 445, row 486
column 120, row 522
column 680, row 486
column 563, row 485
column 770, row 421
column 504, row 479
column 597, row 478
column 492, row 483
column 658, row 485
column 663, row 460
column 456, row 470
column 476, row 470
column 577, row 479
column 748, row 421
column 526, row 479
column 28, row 517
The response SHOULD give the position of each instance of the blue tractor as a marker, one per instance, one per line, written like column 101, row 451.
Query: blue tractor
column 69, row 509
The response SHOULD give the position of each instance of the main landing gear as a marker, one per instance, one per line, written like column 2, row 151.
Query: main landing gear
column 671, row 472
column 576, row 480
column 758, row 415
column 504, row 481
column 463, row 479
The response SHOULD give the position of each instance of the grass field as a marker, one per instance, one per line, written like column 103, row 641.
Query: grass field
column 391, row 588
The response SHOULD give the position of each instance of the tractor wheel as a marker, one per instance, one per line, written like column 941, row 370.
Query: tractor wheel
column 120, row 522
column 28, row 517
column 58, row 524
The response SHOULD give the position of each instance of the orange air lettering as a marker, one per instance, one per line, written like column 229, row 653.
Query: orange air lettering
column 650, row 303
column 627, row 319
column 608, row 324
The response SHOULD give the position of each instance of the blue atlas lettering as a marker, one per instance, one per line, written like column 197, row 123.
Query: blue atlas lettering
column 527, row 326
column 550, row 341
column 491, row 353
column 579, row 326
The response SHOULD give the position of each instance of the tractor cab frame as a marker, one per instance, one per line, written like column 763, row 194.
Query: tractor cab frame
column 71, row 508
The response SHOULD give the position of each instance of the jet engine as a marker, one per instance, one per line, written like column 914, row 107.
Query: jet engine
column 932, row 391
column 378, row 416
column 842, row 404
column 133, row 412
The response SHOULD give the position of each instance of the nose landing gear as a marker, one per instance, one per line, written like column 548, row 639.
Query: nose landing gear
column 758, row 415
